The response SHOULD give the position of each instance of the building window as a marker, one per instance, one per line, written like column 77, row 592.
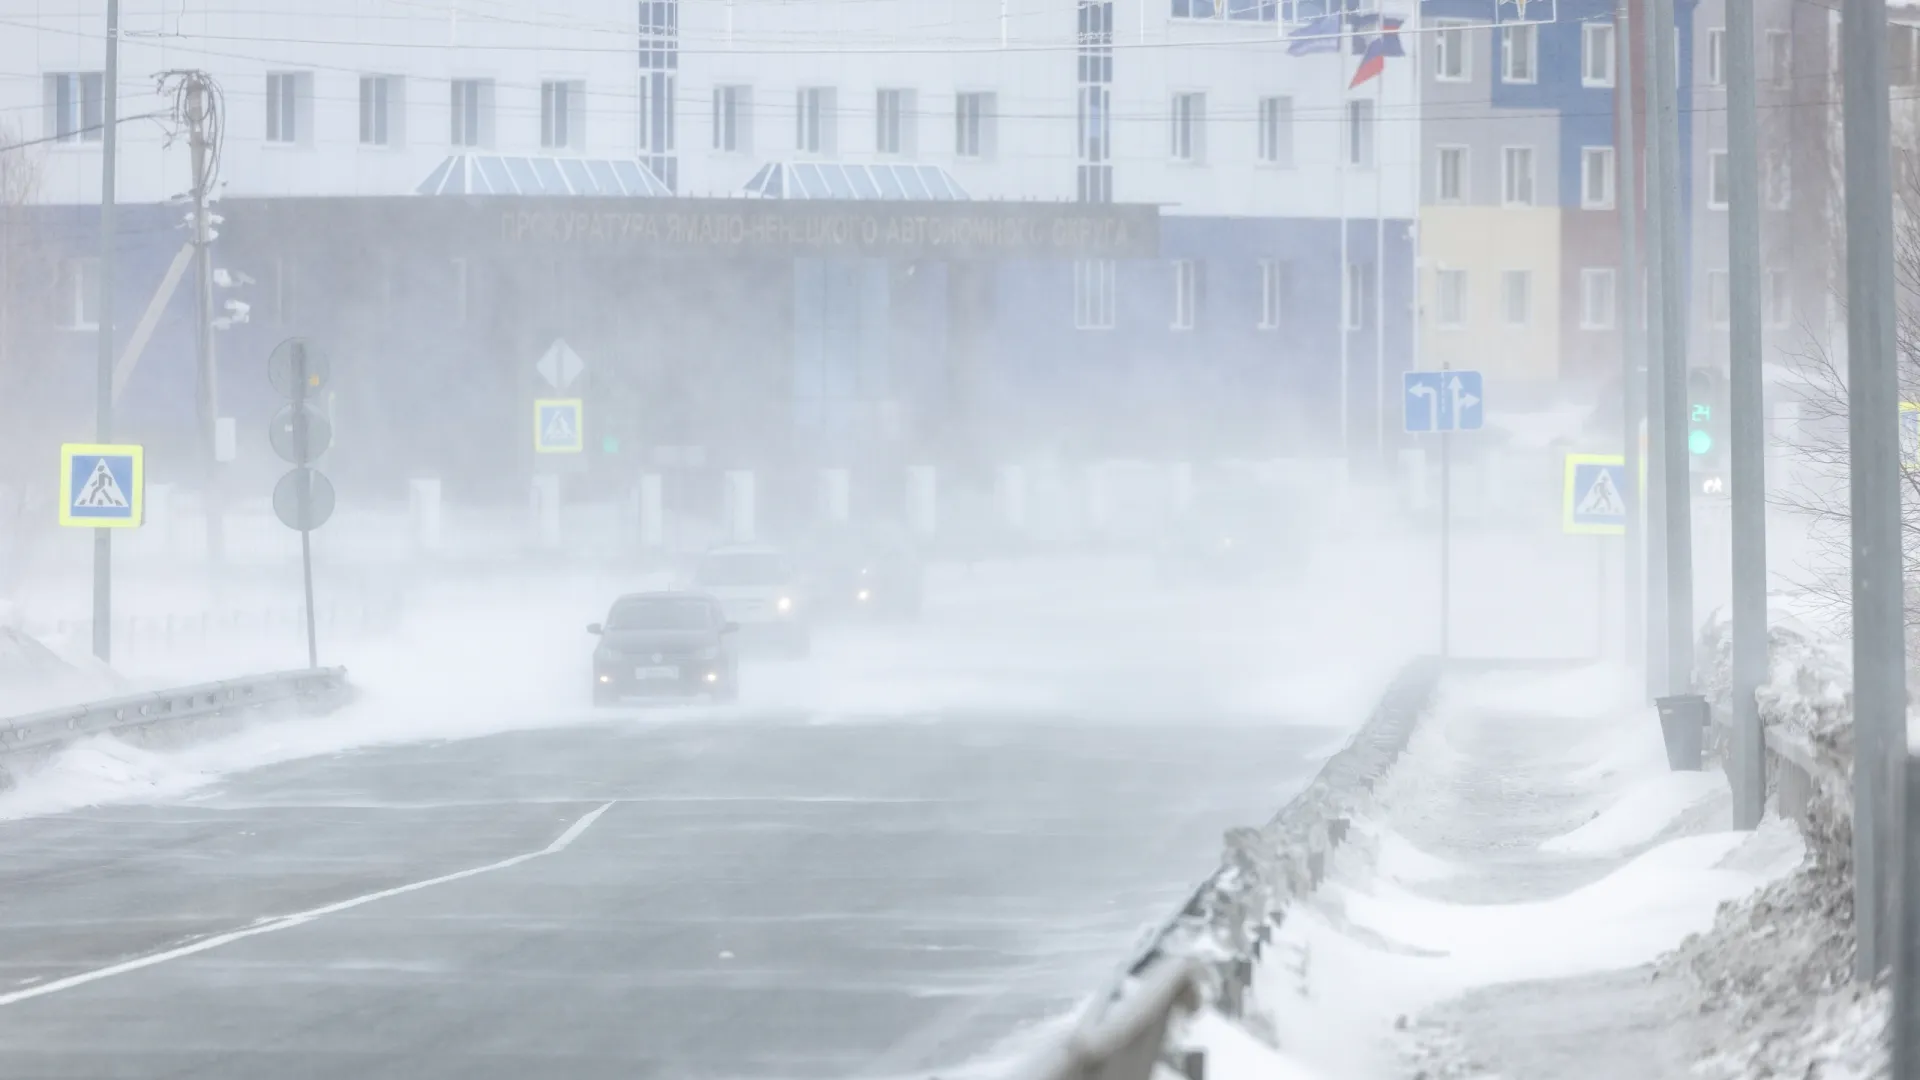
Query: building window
column 472, row 112
column 1359, row 295
column 1596, row 177
column 75, row 106
column 1716, row 57
column 562, row 115
column 1516, row 176
column 1450, row 56
column 1716, row 179
column 815, row 124
column 1719, row 300
column 973, row 125
column 1187, row 293
column 1450, row 180
column 1903, row 55
column 893, row 122
column 657, row 92
column 1596, row 54
column 1276, row 131
column 1779, row 183
column 286, row 106
column 80, row 294
column 1276, row 290
column 1520, row 53
column 1780, row 58
column 1360, row 133
column 1093, row 301
column 1778, row 299
column 1188, row 130
column 1516, row 297
column 1598, row 303
column 382, row 110
column 1450, row 306
column 732, row 119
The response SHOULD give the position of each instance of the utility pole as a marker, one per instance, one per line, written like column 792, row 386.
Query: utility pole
column 1746, row 404
column 203, row 121
column 1873, row 441
column 1626, row 196
column 1672, row 459
column 1656, row 339
column 103, row 373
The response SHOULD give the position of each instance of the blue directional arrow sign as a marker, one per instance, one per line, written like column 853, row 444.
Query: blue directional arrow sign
column 1443, row 401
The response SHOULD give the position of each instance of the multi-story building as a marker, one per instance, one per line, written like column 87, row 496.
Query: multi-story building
column 1520, row 214
column 784, row 233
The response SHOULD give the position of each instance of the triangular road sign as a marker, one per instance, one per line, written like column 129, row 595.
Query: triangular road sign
column 1602, row 497
column 101, row 491
column 559, row 430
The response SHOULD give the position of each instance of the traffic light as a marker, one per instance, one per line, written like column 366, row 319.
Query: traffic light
column 1707, row 419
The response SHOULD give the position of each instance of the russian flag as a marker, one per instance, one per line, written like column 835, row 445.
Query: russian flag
column 1384, row 44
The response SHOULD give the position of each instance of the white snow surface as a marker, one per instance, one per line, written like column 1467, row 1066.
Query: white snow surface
column 1453, row 884
column 1089, row 639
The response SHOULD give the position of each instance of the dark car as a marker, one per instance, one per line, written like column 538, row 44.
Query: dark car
column 665, row 643
column 855, row 573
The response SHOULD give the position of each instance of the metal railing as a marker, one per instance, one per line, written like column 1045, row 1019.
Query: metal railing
column 317, row 688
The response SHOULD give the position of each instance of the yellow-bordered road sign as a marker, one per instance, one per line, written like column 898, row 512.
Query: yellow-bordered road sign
column 1595, row 499
column 557, row 427
column 102, row 487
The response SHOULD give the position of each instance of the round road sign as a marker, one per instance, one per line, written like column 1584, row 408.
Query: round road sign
column 280, row 433
column 303, row 499
column 281, row 364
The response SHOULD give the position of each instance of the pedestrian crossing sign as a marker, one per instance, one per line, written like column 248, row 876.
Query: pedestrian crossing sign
column 102, row 487
column 1595, row 500
column 557, row 427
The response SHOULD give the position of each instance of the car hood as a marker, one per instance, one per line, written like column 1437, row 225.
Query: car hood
column 633, row 641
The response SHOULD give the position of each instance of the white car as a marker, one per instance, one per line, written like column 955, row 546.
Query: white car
column 759, row 589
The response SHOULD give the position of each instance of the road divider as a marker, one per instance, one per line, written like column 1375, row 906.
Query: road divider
column 188, row 712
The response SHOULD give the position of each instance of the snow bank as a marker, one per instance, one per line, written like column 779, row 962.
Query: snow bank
column 1774, row 974
column 1648, row 809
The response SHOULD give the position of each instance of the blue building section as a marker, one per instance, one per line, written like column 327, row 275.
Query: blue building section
column 786, row 358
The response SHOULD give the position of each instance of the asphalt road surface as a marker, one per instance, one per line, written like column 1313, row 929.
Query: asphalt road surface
column 646, row 896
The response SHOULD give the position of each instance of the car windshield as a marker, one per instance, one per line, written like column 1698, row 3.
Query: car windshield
column 742, row 568
column 661, row 613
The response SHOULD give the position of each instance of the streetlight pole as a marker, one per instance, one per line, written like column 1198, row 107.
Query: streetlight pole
column 103, row 390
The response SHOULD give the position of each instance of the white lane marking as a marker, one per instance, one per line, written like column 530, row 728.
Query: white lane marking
column 301, row 918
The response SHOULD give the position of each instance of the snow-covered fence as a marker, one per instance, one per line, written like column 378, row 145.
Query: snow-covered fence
column 1229, row 919
column 169, row 712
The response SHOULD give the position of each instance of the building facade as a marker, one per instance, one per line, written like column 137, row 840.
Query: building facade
column 837, row 231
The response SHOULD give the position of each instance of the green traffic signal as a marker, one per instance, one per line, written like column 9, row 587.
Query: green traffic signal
column 1699, row 442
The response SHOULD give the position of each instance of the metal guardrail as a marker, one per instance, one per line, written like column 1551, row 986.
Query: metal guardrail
column 307, row 688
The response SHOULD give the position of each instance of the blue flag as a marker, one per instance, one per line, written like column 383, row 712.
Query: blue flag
column 1321, row 35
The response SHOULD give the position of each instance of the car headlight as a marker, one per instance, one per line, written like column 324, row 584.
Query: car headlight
column 864, row 595
column 785, row 603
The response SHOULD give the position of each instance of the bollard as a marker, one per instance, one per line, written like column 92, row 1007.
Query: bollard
column 922, row 499
column 1683, row 724
column 835, row 496
column 739, row 505
column 423, row 512
column 653, row 525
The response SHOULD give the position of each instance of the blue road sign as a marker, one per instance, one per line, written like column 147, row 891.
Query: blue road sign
column 1443, row 401
column 1595, row 495
column 101, row 487
column 557, row 427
